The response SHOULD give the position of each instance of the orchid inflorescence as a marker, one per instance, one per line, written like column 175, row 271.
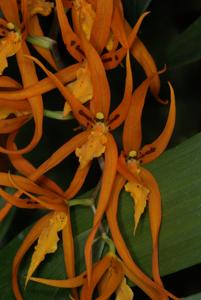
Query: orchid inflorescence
column 98, row 37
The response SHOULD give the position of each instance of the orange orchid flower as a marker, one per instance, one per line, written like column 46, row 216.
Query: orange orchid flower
column 28, row 75
column 108, row 276
column 16, row 94
column 22, row 108
column 120, row 33
column 91, row 119
column 97, row 139
column 30, row 11
column 98, row 31
column 48, row 197
column 140, row 182
column 10, row 42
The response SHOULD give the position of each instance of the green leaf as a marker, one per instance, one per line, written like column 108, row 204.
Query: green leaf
column 179, row 176
column 186, row 48
column 133, row 9
column 193, row 297
column 5, row 224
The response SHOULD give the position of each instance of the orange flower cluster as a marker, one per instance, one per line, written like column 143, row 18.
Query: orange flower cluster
column 99, row 40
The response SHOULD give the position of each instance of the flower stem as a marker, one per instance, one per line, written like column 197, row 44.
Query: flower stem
column 109, row 242
column 41, row 41
column 83, row 202
column 57, row 115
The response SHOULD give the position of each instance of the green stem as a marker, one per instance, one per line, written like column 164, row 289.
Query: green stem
column 41, row 41
column 57, row 115
column 109, row 242
column 83, row 202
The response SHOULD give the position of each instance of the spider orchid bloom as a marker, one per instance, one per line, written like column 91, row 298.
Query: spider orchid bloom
column 107, row 275
column 49, row 196
column 30, row 11
column 28, row 75
column 15, row 94
column 142, row 186
column 84, row 15
column 107, row 278
column 96, row 139
column 99, row 32
column 20, row 111
column 10, row 42
column 134, row 155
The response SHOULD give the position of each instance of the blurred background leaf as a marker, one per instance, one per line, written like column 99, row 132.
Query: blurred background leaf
column 186, row 48
column 193, row 297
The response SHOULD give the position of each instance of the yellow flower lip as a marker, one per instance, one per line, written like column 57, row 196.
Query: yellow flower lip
column 99, row 116
column 41, row 7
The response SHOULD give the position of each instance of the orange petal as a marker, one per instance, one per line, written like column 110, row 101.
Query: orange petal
column 47, row 199
column 19, row 108
column 155, row 216
column 145, row 59
column 45, row 85
column 132, row 133
column 8, row 82
column 17, row 181
column 35, row 30
column 23, row 166
column 70, row 39
column 98, row 270
column 101, row 89
column 151, row 151
column 113, row 59
column 81, row 113
column 25, row 17
column 26, row 244
column 60, row 154
column 113, row 280
column 29, row 76
column 102, row 23
column 120, row 113
column 11, row 15
column 10, row 125
column 32, row 202
column 109, row 172
column 4, row 211
column 68, row 249
column 77, row 181
column 63, row 283
column 117, row 25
